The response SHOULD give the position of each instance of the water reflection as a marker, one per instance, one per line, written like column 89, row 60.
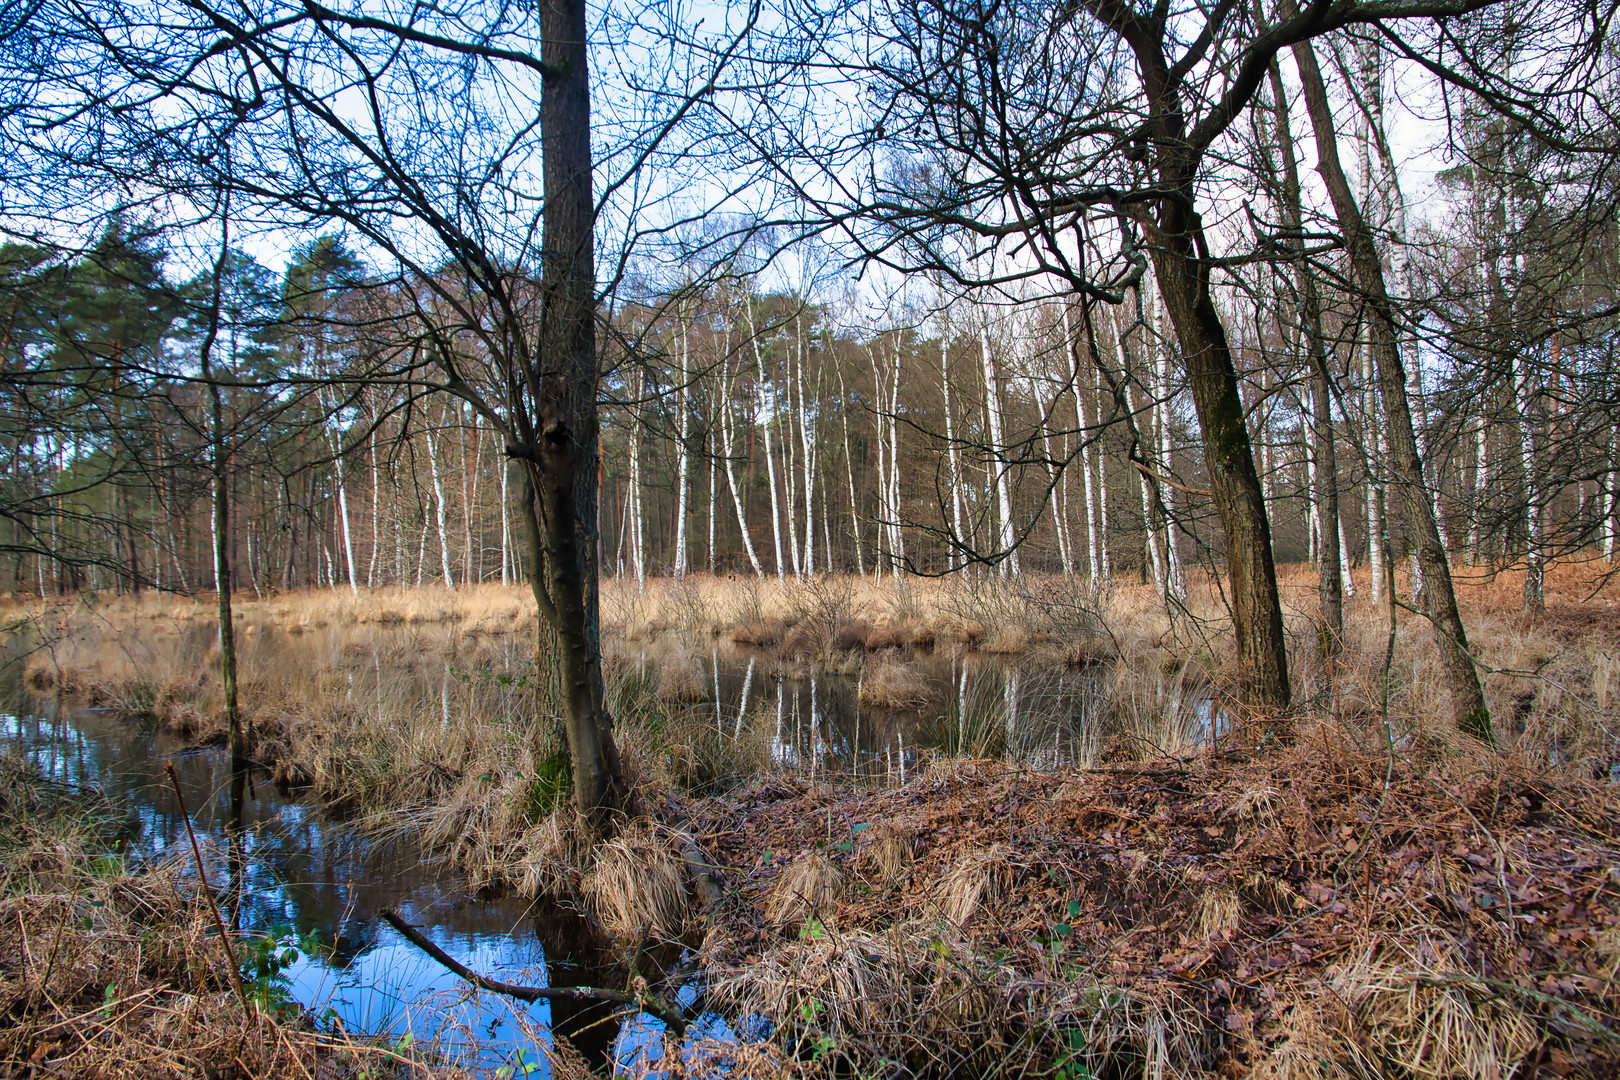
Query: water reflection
column 281, row 863
column 283, row 867
column 1029, row 711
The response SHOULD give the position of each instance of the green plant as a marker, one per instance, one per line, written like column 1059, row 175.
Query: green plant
column 265, row 962
column 1071, row 1054
column 521, row 1065
column 821, row 1043
column 549, row 786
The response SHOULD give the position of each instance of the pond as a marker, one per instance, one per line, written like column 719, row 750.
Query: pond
column 963, row 704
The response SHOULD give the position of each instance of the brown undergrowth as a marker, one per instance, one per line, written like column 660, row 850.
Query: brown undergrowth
column 1375, row 901
column 1326, row 910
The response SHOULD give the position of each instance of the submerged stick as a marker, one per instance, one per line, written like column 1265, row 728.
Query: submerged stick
column 202, row 876
column 643, row 1001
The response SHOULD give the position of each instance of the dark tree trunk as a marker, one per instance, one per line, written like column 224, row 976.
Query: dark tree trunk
column 1234, row 482
column 1467, row 696
column 1330, row 583
column 561, row 451
column 222, row 533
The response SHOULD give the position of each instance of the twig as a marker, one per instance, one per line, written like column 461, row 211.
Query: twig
column 645, row 1002
column 56, row 942
column 1205, row 492
column 202, row 876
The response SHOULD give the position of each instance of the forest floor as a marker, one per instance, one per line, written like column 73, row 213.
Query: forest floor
column 1326, row 910
column 1383, row 898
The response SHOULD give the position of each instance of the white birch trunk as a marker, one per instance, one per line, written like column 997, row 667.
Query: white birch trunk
column 1610, row 525
column 952, row 451
column 731, row 473
column 898, row 542
column 1374, row 441
column 507, row 577
column 682, row 456
column 638, row 551
column 438, row 510
column 1104, row 558
column 880, row 389
column 1525, row 394
column 371, row 569
column 1123, row 359
column 1175, row 575
column 807, row 437
column 992, row 407
column 1093, row 536
column 849, row 474
column 213, row 530
column 770, row 456
column 785, row 417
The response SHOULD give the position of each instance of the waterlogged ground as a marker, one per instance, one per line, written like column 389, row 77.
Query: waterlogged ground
column 315, row 887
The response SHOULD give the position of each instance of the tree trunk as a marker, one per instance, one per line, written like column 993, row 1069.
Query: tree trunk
column 1468, row 698
column 807, row 439
column 1330, row 575
column 992, row 408
column 1256, row 606
column 222, row 523
column 638, row 550
column 560, row 455
column 1175, row 575
column 770, row 456
column 849, row 469
column 683, row 457
column 438, row 511
column 726, row 425
column 897, row 544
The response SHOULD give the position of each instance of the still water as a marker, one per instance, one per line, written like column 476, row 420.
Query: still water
column 302, row 876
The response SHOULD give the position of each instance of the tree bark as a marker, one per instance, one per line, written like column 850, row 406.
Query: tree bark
column 1468, row 698
column 561, row 450
column 992, row 408
column 1235, row 484
column 1330, row 578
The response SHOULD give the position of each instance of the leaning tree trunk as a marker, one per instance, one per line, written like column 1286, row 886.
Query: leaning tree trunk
column 1330, row 576
column 1468, row 698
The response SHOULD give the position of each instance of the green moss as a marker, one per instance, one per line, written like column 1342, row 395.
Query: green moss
column 550, row 786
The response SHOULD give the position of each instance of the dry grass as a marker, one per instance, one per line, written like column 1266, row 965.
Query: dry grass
column 1324, row 911
column 894, row 684
column 1217, row 914
column 975, row 882
column 807, row 890
column 890, row 851
column 924, row 947
column 637, row 886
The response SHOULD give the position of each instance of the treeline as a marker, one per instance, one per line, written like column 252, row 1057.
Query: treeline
column 769, row 433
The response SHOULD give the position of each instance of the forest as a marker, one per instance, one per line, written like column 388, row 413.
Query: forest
column 865, row 537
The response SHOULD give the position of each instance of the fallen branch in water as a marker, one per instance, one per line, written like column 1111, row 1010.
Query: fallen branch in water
column 640, row 999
